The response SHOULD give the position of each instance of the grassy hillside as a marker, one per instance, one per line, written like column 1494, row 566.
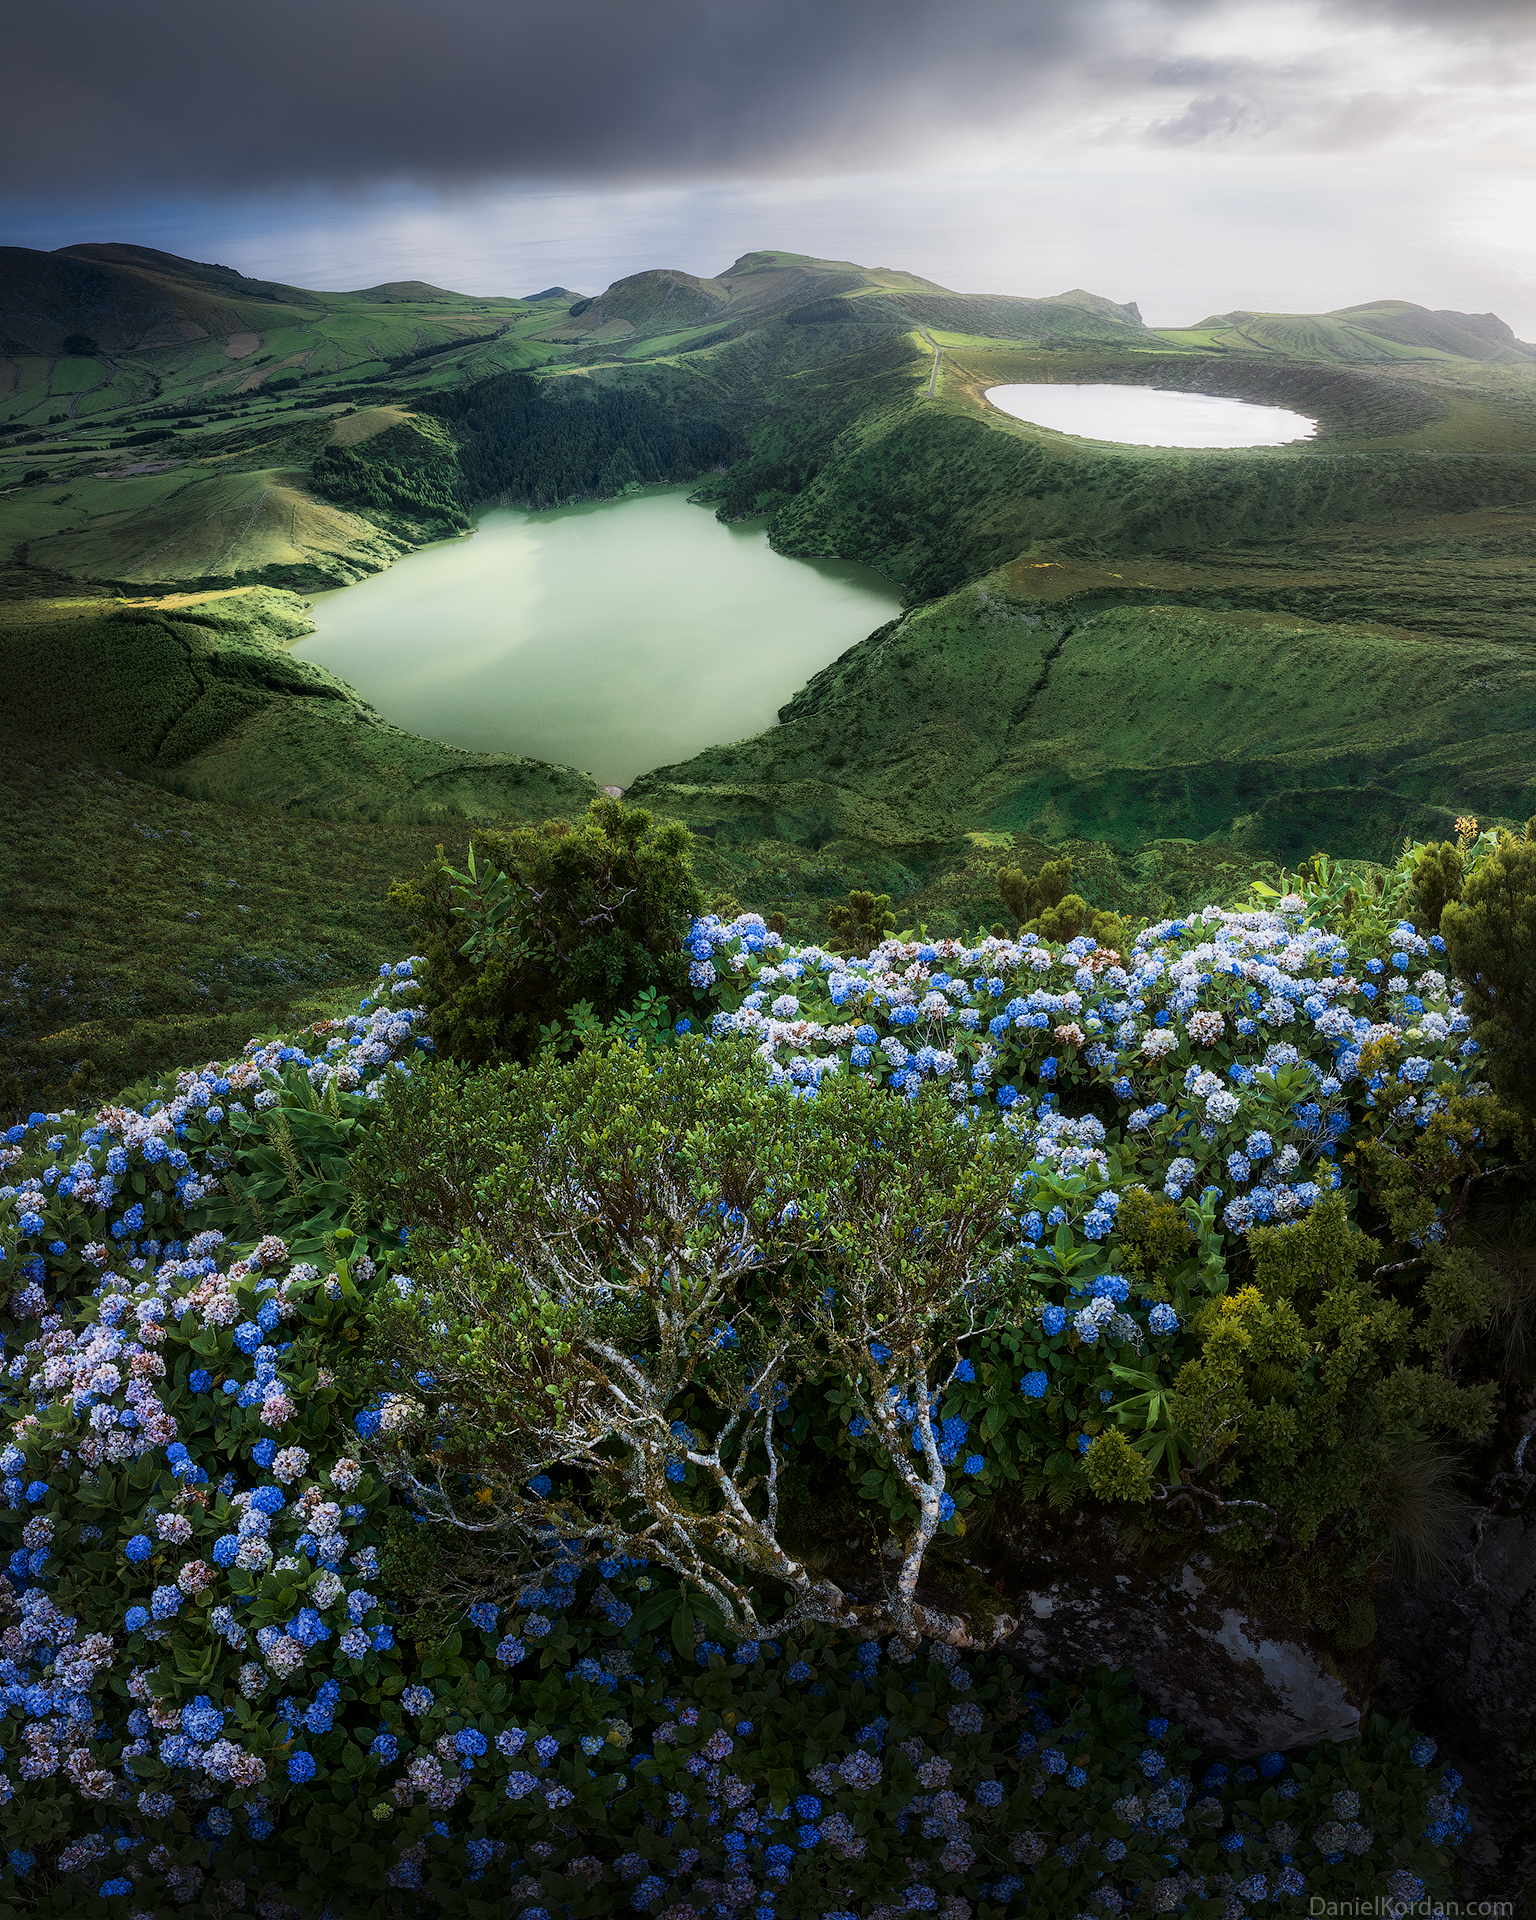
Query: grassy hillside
column 198, row 690
column 89, row 332
column 139, row 929
column 1064, row 711
column 142, row 928
column 1375, row 332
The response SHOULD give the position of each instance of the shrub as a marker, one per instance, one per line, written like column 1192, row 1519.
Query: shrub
column 1490, row 937
column 1045, row 907
column 573, row 924
column 1437, row 878
column 843, row 1263
column 1160, row 1093
column 863, row 922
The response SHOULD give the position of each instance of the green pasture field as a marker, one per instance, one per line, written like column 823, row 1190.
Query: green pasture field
column 348, row 336
column 39, row 513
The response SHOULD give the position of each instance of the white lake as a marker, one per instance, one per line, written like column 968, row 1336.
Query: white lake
column 1151, row 416
column 613, row 636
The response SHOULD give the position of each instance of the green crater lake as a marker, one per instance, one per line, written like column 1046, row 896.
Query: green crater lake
column 614, row 636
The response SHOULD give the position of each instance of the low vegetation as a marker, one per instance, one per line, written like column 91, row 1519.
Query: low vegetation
column 413, row 1480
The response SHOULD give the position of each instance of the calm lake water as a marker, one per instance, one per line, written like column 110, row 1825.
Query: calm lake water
column 614, row 636
column 1151, row 416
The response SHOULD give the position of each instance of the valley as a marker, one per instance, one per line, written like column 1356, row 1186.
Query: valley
column 1172, row 660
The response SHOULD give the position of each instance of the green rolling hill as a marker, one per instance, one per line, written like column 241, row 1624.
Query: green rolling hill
column 1380, row 331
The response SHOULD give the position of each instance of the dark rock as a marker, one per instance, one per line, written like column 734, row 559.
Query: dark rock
column 1241, row 1682
column 1459, row 1657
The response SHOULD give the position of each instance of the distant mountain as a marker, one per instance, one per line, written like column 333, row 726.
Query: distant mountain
column 118, row 299
column 1377, row 331
column 124, row 299
column 94, row 332
column 803, row 289
column 412, row 290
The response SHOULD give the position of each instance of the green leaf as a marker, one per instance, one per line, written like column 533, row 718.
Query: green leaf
column 782, row 1782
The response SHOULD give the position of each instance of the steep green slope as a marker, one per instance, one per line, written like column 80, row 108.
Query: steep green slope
column 198, row 690
column 936, row 491
column 1081, row 715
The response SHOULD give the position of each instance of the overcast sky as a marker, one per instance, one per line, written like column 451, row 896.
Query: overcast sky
column 1193, row 155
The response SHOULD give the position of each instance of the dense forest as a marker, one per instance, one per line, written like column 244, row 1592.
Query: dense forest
column 545, row 442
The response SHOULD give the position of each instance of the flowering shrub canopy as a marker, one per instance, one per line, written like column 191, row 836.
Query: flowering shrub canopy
column 204, row 1690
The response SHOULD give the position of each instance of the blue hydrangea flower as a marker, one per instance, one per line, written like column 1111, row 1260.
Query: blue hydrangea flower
column 202, row 1721
column 1035, row 1384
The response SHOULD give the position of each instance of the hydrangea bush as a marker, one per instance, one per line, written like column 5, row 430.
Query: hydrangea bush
column 1217, row 1106
column 208, row 1697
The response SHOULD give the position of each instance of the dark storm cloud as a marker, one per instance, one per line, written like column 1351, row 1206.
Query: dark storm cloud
column 209, row 94
column 1504, row 19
